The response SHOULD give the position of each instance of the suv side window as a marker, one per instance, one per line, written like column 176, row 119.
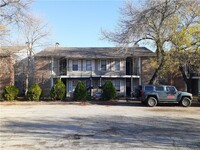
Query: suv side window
column 170, row 89
column 159, row 88
column 148, row 88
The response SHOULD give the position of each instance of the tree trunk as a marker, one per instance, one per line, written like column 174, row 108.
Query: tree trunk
column 186, row 80
column 155, row 75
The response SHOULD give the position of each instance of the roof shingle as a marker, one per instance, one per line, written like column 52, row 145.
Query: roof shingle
column 94, row 52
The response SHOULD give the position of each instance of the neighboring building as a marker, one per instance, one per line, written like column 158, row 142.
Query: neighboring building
column 193, row 76
column 195, row 83
column 93, row 65
column 7, row 60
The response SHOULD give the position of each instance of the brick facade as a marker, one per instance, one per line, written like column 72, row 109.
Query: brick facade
column 43, row 74
column 6, row 72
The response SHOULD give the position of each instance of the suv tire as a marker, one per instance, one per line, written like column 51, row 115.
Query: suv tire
column 151, row 102
column 186, row 102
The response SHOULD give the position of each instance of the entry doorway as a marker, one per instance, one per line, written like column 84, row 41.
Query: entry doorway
column 128, row 87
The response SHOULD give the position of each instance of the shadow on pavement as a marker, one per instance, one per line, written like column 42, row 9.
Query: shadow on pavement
column 137, row 132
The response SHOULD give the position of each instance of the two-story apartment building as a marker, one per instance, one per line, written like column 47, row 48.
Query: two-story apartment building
column 93, row 65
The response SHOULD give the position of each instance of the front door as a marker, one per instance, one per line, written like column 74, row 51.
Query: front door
column 128, row 87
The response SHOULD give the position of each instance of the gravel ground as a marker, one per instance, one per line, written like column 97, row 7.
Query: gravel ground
column 61, row 126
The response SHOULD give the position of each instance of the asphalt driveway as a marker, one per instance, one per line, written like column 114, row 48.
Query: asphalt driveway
column 125, row 126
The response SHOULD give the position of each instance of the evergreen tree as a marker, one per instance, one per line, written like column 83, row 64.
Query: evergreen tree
column 109, row 91
column 58, row 90
column 80, row 93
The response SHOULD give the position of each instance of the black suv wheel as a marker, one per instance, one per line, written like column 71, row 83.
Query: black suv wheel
column 151, row 102
column 186, row 102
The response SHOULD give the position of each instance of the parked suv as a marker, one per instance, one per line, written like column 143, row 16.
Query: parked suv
column 151, row 95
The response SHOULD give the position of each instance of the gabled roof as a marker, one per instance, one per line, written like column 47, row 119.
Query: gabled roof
column 94, row 52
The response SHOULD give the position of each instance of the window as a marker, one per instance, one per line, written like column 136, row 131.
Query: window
column 117, row 64
column 75, row 65
column 117, row 85
column 88, row 65
column 148, row 88
column 74, row 83
column 103, row 65
column 159, row 88
column 170, row 89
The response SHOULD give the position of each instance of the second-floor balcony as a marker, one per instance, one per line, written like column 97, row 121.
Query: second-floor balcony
column 109, row 67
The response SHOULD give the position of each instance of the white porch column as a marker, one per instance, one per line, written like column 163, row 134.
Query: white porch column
column 52, row 71
column 131, row 85
column 125, row 87
column 140, row 70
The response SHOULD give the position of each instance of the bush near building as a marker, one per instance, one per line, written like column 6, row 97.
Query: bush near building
column 34, row 92
column 10, row 92
column 58, row 91
column 80, row 93
column 109, row 91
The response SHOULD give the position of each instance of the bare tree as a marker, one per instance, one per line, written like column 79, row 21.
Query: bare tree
column 35, row 32
column 155, row 20
column 12, row 12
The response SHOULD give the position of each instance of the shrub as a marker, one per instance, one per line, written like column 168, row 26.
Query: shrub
column 34, row 92
column 10, row 92
column 80, row 92
column 58, row 90
column 109, row 91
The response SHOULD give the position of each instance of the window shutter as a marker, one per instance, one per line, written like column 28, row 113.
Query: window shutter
column 84, row 65
column 122, row 65
column 79, row 65
column 70, row 65
column 99, row 65
column 93, row 65
column 112, row 63
column 107, row 65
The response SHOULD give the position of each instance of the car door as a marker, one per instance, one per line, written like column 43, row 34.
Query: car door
column 171, row 93
column 161, row 93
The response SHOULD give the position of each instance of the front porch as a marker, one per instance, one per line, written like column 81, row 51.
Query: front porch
column 124, row 84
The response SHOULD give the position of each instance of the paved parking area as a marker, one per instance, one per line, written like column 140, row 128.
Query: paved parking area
column 124, row 126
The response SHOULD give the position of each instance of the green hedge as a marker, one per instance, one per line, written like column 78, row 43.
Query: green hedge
column 34, row 92
column 58, row 91
column 80, row 93
column 10, row 92
column 109, row 91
